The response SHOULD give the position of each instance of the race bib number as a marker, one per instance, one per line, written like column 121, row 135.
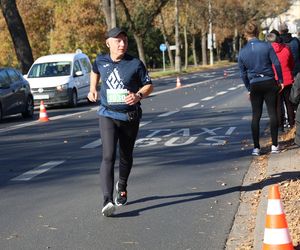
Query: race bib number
column 116, row 96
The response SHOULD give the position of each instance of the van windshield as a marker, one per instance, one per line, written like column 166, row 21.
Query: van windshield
column 50, row 69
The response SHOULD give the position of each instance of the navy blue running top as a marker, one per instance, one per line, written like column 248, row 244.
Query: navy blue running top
column 255, row 62
column 128, row 74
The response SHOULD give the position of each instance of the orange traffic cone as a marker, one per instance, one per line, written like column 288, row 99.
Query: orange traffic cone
column 178, row 83
column 276, row 235
column 43, row 113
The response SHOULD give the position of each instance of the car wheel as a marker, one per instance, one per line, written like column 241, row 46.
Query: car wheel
column 73, row 99
column 29, row 108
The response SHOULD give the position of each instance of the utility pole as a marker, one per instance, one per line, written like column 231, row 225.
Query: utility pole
column 210, row 35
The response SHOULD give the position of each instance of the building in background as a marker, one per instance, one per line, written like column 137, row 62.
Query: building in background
column 291, row 18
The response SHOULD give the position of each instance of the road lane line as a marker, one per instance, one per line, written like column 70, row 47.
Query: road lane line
column 37, row 171
column 93, row 144
column 144, row 123
column 28, row 124
column 233, row 88
column 168, row 113
column 207, row 98
column 191, row 105
column 221, row 93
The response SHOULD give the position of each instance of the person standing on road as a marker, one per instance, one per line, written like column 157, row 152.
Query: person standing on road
column 255, row 63
column 293, row 44
column 124, row 83
column 286, row 60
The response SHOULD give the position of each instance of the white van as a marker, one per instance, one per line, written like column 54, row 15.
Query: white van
column 60, row 78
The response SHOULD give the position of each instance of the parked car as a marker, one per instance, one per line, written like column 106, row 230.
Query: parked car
column 15, row 94
column 60, row 78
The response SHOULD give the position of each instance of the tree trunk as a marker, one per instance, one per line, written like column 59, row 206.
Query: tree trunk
column 113, row 13
column 109, row 10
column 18, row 34
column 186, row 56
column 177, row 56
column 140, row 46
column 107, row 13
column 194, row 50
column 203, row 46
column 163, row 29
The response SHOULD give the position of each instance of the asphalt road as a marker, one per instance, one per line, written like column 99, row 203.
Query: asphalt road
column 190, row 159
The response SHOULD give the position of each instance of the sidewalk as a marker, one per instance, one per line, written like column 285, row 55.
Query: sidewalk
column 284, row 168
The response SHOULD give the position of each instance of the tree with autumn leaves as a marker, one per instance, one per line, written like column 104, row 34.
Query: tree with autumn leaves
column 60, row 26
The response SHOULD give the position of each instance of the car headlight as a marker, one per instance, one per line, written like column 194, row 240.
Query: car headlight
column 62, row 87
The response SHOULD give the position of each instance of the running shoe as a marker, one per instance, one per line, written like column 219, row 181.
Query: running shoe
column 108, row 209
column 275, row 149
column 121, row 198
column 256, row 152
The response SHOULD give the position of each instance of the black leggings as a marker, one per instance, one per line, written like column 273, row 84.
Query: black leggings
column 259, row 92
column 285, row 99
column 112, row 131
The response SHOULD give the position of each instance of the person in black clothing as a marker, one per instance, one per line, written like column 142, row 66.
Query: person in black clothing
column 293, row 44
column 255, row 63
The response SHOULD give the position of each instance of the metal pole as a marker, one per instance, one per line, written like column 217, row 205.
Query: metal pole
column 164, row 60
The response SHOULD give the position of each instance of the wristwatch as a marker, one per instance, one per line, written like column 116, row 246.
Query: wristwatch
column 140, row 95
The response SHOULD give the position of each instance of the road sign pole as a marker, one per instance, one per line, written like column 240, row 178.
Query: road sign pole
column 163, row 48
column 164, row 64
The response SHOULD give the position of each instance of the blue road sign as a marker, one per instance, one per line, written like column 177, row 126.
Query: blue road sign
column 162, row 47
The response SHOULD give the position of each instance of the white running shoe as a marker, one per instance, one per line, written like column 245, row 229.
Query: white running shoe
column 256, row 152
column 275, row 149
column 108, row 209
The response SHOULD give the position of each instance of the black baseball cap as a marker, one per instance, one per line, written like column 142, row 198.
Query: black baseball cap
column 114, row 32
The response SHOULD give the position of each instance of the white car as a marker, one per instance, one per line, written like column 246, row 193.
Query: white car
column 60, row 78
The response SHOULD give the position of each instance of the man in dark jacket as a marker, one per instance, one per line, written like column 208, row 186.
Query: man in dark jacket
column 293, row 44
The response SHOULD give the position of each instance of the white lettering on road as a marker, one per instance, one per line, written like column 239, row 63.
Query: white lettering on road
column 171, row 142
column 183, row 131
column 183, row 137
column 230, row 130
column 216, row 139
column 209, row 131
column 37, row 171
column 157, row 131
column 146, row 142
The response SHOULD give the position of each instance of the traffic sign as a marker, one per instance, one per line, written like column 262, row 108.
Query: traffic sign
column 162, row 47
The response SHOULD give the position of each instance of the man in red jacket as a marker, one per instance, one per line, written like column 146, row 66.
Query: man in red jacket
column 286, row 60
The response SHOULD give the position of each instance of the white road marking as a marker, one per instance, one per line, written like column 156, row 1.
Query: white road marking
column 207, row 98
column 37, row 171
column 168, row 113
column 28, row 124
column 93, row 144
column 144, row 123
column 191, row 105
column 233, row 88
column 221, row 93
